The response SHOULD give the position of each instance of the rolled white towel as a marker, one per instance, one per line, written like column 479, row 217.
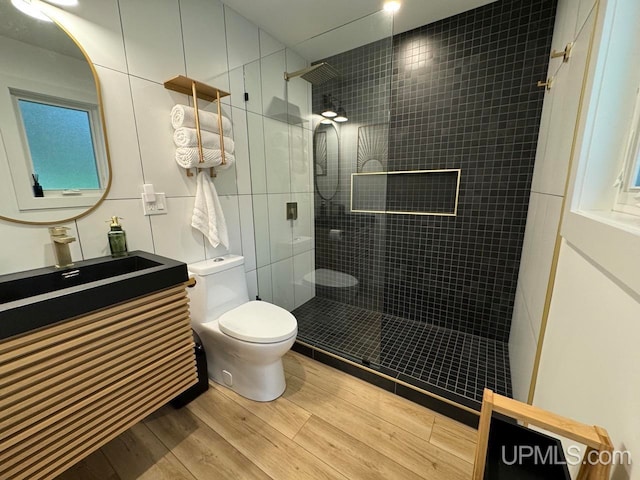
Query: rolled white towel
column 185, row 116
column 189, row 157
column 188, row 137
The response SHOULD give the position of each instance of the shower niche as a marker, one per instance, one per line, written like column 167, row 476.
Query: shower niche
column 418, row 192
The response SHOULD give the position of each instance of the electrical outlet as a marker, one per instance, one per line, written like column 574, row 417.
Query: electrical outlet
column 159, row 207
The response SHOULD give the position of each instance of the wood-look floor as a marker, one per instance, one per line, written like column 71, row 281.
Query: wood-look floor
column 327, row 425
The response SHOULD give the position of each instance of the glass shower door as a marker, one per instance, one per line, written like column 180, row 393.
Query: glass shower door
column 349, row 123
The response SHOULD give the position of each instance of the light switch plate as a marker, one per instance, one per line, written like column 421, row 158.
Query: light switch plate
column 159, row 207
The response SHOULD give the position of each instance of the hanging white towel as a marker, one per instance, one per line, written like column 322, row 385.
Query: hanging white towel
column 185, row 116
column 188, row 137
column 207, row 212
column 189, row 157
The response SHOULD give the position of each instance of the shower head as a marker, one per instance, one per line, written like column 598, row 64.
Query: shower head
column 315, row 74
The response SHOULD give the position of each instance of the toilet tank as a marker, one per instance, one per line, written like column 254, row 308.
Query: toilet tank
column 221, row 285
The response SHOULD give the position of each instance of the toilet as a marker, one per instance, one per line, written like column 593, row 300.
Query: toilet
column 244, row 341
column 331, row 284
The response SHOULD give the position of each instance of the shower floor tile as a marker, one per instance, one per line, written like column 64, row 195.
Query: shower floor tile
column 458, row 362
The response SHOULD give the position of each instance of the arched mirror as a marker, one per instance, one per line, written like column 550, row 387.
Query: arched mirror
column 326, row 160
column 54, row 163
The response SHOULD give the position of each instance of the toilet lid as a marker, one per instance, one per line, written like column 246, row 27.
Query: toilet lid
column 258, row 322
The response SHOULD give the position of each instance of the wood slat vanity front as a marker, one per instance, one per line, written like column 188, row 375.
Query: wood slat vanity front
column 68, row 389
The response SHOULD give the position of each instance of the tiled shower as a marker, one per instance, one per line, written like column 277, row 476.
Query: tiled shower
column 434, row 294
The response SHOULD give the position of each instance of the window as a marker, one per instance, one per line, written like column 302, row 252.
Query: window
column 60, row 145
column 628, row 198
column 60, row 135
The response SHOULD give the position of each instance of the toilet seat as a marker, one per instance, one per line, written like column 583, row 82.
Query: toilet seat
column 325, row 277
column 258, row 322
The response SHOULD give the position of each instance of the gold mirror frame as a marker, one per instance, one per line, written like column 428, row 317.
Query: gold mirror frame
column 104, row 133
column 326, row 128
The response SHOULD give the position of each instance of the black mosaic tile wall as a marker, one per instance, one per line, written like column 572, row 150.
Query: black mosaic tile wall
column 463, row 95
column 363, row 89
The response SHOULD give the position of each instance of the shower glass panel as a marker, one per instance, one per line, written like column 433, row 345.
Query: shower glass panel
column 353, row 80
column 437, row 128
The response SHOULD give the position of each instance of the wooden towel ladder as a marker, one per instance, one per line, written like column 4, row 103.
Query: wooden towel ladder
column 595, row 438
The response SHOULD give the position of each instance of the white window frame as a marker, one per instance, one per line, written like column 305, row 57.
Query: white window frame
column 610, row 239
column 628, row 197
column 57, row 198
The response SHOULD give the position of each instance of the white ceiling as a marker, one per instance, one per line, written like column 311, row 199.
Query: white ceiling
column 292, row 21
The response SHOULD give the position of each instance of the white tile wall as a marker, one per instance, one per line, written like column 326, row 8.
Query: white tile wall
column 136, row 46
column 303, row 226
column 243, row 40
column 537, row 253
column 264, row 283
column 258, row 166
column 205, row 42
column 561, row 104
column 550, row 172
column 96, row 25
column 241, row 140
column 276, row 147
column 126, row 166
column 542, row 267
column 92, row 229
column 303, row 264
column 253, row 86
column 298, row 90
column 236, row 87
column 554, row 151
column 153, row 38
column 300, row 159
column 226, row 179
column 280, row 229
column 262, row 236
column 152, row 104
column 247, row 231
column 30, row 247
column 252, row 284
column 523, row 344
column 539, row 169
column 173, row 236
column 268, row 44
column 584, row 9
column 274, row 89
column 282, row 283
column 564, row 29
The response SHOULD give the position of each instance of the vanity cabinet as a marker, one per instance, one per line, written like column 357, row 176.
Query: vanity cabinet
column 69, row 388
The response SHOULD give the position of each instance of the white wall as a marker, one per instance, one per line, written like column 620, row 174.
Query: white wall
column 590, row 364
column 575, row 21
column 279, row 128
column 135, row 47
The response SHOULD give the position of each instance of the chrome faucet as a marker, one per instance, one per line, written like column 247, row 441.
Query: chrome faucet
column 61, row 243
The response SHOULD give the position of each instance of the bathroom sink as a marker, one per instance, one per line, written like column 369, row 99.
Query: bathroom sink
column 40, row 297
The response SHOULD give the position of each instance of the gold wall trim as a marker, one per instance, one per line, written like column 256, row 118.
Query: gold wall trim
column 454, row 213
